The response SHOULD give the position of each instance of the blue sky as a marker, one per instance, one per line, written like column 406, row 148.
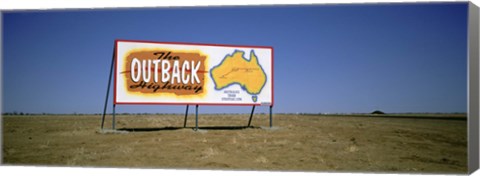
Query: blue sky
column 330, row 59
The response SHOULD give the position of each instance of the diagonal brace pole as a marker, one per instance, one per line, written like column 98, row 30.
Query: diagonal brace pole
column 251, row 115
column 186, row 114
column 108, row 88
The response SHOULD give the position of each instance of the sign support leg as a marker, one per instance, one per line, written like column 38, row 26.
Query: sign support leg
column 251, row 115
column 271, row 116
column 108, row 89
column 186, row 114
column 113, row 117
column 196, row 117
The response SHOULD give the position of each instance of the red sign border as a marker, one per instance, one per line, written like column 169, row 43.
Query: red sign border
column 193, row 103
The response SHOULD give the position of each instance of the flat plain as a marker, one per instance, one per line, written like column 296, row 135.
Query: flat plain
column 318, row 143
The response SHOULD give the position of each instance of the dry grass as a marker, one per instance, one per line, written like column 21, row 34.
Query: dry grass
column 297, row 142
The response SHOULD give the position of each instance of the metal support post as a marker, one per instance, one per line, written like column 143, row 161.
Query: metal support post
column 113, row 117
column 271, row 116
column 251, row 115
column 185, row 122
column 108, row 88
column 196, row 117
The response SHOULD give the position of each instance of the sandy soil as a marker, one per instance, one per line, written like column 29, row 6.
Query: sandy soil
column 296, row 143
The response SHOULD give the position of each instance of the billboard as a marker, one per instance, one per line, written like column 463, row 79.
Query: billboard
column 186, row 73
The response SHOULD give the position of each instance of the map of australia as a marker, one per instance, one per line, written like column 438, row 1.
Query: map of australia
column 235, row 69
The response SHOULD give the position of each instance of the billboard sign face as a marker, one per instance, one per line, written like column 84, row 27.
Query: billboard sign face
column 183, row 73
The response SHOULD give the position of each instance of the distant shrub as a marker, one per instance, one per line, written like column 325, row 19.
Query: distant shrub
column 377, row 112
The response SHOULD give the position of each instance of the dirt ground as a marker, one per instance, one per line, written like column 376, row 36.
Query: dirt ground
column 295, row 143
